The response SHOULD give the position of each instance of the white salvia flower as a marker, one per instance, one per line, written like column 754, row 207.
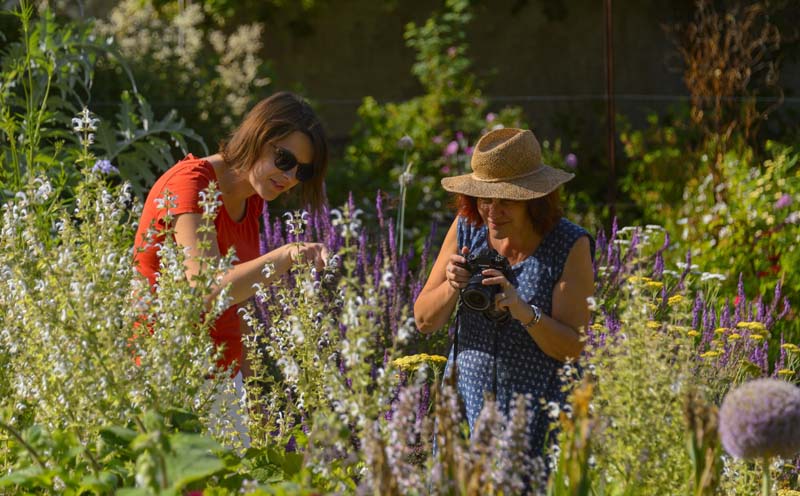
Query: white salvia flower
column 268, row 270
column 43, row 191
column 653, row 227
column 405, row 178
column 386, row 279
column 592, row 303
column 296, row 221
column 210, row 202
column 553, row 409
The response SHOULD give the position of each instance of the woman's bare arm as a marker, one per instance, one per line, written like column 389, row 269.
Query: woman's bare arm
column 438, row 297
column 242, row 277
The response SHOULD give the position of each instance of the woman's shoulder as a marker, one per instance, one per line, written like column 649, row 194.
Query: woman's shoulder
column 568, row 233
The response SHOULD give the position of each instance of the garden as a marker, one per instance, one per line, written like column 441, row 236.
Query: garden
column 688, row 382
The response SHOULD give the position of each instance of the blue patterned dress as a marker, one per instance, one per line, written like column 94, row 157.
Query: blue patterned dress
column 522, row 367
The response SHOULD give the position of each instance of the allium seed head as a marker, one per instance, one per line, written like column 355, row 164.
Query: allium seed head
column 761, row 418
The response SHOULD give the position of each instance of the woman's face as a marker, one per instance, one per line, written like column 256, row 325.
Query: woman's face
column 266, row 179
column 504, row 218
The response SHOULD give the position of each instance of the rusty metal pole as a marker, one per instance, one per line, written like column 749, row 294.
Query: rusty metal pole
column 611, row 112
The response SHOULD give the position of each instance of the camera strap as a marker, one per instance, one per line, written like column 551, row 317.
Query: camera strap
column 455, row 339
column 494, row 361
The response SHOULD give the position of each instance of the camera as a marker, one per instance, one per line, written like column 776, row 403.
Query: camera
column 475, row 295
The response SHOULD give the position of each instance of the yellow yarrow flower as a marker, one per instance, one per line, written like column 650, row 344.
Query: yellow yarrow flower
column 675, row 299
column 720, row 330
column 412, row 362
column 788, row 492
column 786, row 372
column 654, row 285
column 652, row 324
column 709, row 354
column 792, row 348
column 756, row 337
column 638, row 279
column 751, row 326
column 678, row 328
column 734, row 336
column 693, row 333
column 597, row 327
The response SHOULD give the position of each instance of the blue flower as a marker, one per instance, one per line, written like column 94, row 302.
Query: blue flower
column 104, row 167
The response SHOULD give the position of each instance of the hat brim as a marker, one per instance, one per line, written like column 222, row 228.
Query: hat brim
column 544, row 181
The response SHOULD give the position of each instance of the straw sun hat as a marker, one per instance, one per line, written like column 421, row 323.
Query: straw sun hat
column 507, row 163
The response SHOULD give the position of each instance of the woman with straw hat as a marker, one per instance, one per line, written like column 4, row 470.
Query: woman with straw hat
column 510, row 203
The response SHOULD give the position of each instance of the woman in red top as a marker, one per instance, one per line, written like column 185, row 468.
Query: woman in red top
column 279, row 144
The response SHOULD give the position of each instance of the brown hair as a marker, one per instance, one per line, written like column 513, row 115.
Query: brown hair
column 270, row 120
column 544, row 212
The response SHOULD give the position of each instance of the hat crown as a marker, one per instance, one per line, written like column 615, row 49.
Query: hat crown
column 506, row 153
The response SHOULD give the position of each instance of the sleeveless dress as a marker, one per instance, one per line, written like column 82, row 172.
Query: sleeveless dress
column 484, row 346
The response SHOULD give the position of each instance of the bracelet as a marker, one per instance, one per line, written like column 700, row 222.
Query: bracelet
column 537, row 315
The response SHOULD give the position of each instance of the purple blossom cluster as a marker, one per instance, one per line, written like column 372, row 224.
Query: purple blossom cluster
column 761, row 419
column 616, row 262
column 394, row 276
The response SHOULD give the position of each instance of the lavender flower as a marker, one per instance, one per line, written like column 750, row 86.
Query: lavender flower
column 571, row 161
column 761, row 418
column 104, row 167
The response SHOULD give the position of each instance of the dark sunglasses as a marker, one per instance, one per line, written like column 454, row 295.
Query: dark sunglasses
column 286, row 161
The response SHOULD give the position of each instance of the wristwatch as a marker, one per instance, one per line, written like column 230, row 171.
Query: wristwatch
column 537, row 315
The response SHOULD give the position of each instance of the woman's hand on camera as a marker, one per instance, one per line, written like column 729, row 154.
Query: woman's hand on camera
column 507, row 298
column 455, row 273
column 315, row 253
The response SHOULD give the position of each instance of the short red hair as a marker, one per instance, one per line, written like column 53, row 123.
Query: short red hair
column 545, row 212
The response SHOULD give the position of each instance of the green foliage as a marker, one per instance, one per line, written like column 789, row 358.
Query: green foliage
column 47, row 75
column 451, row 113
column 186, row 56
column 739, row 218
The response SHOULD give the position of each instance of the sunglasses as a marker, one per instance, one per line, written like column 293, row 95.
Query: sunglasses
column 286, row 161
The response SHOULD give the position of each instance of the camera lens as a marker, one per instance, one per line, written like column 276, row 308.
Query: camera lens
column 476, row 296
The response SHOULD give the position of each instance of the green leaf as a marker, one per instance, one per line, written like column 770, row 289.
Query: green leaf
column 193, row 459
column 30, row 476
column 118, row 436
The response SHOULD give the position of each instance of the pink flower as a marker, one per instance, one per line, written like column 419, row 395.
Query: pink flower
column 783, row 202
column 452, row 51
column 491, row 116
column 445, row 169
column 451, row 149
column 468, row 150
column 437, row 139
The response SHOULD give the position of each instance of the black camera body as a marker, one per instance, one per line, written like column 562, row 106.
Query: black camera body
column 475, row 295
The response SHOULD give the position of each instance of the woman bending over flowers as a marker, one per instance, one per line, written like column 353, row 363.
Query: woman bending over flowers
column 279, row 144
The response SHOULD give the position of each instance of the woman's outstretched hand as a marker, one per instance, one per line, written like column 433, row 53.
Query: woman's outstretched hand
column 314, row 253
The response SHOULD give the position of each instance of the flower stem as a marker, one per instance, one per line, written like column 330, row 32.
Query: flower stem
column 20, row 440
column 766, row 482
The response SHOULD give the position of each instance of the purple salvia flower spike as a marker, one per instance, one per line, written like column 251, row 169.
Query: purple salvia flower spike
column 686, row 270
column 658, row 267
column 379, row 208
column 786, row 308
column 725, row 315
column 696, row 315
column 740, row 290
